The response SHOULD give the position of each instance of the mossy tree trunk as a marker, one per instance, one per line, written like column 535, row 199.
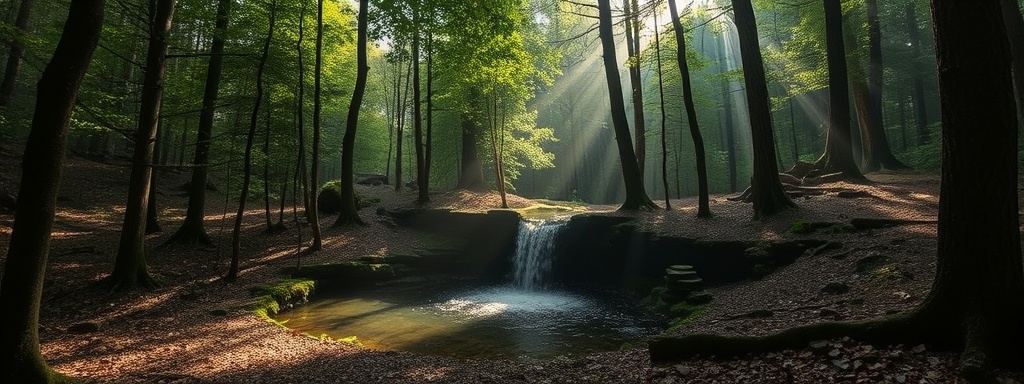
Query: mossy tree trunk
column 24, row 270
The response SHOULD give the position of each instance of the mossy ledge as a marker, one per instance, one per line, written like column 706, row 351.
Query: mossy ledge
column 270, row 300
column 350, row 271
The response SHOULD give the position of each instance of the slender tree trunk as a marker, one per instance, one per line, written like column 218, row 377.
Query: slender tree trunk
column 10, row 79
column 769, row 198
column 266, row 168
column 636, row 196
column 877, row 151
column 236, row 232
column 703, row 205
column 314, row 173
column 193, row 229
column 635, row 81
column 417, row 124
column 1015, row 33
column 920, row 110
column 399, row 134
column 130, row 270
column 349, row 212
column 429, row 150
column 21, row 287
column 300, row 116
column 792, row 131
column 661, row 102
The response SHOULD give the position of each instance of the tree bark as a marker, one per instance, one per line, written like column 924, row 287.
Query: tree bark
column 193, row 229
column 877, row 151
column 769, row 198
column 349, row 212
column 21, row 287
column 10, row 79
column 636, row 82
column 236, row 232
column 314, row 172
column 703, row 205
column 636, row 196
column 661, row 102
column 979, row 285
column 423, row 196
column 152, row 212
column 130, row 270
column 838, row 154
column 300, row 115
column 1015, row 33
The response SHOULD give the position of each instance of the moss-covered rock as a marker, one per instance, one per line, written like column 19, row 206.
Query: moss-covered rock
column 271, row 299
column 328, row 199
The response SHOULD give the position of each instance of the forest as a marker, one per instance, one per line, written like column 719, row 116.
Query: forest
column 521, row 191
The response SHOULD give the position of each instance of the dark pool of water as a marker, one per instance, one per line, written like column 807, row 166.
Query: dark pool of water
column 497, row 321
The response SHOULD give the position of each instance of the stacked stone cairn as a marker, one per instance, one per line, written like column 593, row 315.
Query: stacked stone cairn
column 683, row 284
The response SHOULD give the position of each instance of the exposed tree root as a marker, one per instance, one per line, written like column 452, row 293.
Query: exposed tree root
column 188, row 236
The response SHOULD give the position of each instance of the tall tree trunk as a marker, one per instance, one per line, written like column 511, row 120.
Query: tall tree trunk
column 417, row 124
column 300, row 116
column 636, row 196
column 703, row 205
column 631, row 9
column 193, row 229
column 838, row 154
column 266, row 166
column 236, row 232
column 130, row 270
column 429, row 150
column 10, row 79
column 979, row 286
column 21, row 287
column 1015, row 33
column 877, row 151
column 769, row 198
column 400, row 128
column 661, row 102
column 920, row 110
column 314, row 172
column 349, row 211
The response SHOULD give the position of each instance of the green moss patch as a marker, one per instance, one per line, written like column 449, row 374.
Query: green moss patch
column 271, row 299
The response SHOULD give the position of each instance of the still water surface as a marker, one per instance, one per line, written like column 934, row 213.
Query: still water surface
column 499, row 321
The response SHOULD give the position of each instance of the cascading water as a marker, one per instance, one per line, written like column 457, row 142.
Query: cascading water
column 531, row 263
column 523, row 318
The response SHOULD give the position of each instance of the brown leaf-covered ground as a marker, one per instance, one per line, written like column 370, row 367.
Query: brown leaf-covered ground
column 171, row 334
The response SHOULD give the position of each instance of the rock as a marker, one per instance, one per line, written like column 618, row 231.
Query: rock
column 680, row 275
column 85, row 327
column 679, row 267
column 835, row 288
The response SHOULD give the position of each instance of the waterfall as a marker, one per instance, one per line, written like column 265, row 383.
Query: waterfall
column 531, row 264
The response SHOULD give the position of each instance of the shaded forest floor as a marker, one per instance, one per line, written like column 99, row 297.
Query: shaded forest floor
column 180, row 333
